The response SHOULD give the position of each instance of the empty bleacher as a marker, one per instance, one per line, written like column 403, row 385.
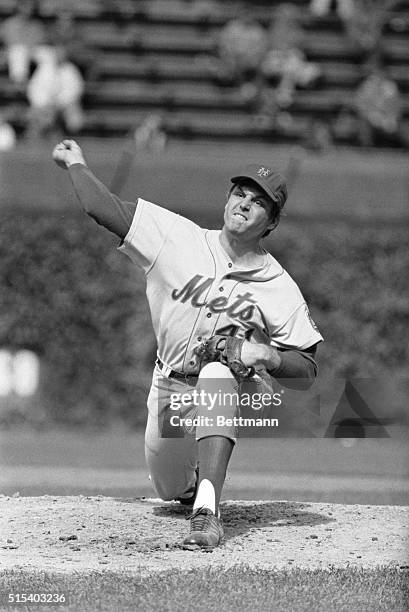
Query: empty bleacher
column 159, row 55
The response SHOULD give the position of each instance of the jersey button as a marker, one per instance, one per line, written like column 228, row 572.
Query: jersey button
column 230, row 265
column 199, row 338
column 209, row 314
column 221, row 288
column 191, row 362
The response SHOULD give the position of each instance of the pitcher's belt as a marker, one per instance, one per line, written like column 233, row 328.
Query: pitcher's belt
column 174, row 373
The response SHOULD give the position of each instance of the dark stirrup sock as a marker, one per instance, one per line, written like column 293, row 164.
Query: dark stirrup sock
column 214, row 457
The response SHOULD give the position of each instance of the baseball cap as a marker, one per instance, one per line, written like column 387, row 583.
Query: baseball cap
column 273, row 183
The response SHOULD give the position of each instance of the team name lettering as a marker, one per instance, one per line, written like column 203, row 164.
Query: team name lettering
column 246, row 312
column 193, row 290
column 241, row 308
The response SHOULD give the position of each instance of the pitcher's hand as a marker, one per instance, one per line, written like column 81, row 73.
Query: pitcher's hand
column 68, row 152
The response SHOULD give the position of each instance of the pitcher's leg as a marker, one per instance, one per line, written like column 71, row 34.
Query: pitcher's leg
column 215, row 442
column 171, row 461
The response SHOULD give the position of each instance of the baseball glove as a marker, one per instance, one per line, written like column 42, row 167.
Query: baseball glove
column 226, row 350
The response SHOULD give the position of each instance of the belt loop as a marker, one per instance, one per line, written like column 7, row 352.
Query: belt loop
column 165, row 370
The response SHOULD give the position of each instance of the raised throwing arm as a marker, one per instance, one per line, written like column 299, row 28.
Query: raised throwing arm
column 96, row 200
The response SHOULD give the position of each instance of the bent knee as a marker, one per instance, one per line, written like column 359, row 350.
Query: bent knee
column 166, row 491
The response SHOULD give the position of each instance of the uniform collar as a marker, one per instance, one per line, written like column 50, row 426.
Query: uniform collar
column 269, row 269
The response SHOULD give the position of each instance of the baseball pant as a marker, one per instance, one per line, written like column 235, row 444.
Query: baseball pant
column 172, row 460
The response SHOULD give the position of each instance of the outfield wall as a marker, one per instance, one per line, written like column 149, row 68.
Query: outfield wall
column 187, row 178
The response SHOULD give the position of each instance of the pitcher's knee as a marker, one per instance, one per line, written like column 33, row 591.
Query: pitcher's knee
column 165, row 490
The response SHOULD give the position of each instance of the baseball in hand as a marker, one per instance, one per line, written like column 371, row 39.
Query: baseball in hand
column 68, row 152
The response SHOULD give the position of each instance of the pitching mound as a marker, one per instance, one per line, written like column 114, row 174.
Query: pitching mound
column 71, row 534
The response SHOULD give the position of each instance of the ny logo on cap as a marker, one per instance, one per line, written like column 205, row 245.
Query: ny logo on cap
column 263, row 171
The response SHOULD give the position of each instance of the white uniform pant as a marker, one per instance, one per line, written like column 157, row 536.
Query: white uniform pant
column 172, row 460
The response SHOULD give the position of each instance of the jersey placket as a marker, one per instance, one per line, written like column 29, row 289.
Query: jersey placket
column 206, row 324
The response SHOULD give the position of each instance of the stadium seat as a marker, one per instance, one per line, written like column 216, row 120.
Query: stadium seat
column 161, row 55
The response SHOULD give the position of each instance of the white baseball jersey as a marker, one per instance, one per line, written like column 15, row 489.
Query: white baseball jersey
column 195, row 291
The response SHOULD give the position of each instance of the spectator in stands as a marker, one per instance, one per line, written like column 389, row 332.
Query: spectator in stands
column 378, row 106
column 374, row 114
column 320, row 8
column 65, row 33
column 23, row 35
column 365, row 24
column 241, row 46
column 150, row 134
column 7, row 133
column 54, row 92
column 285, row 63
column 363, row 20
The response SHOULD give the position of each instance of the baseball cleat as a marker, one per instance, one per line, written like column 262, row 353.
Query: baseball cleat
column 206, row 530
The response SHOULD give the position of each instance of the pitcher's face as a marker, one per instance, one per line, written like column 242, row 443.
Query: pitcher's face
column 249, row 211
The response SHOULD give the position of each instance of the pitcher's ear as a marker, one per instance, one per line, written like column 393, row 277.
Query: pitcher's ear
column 271, row 226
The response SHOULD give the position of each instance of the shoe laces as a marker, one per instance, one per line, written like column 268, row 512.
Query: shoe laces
column 201, row 519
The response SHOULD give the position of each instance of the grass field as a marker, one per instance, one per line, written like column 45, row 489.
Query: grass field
column 238, row 588
column 75, row 462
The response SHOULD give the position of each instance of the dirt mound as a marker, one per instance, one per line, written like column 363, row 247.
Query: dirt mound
column 71, row 534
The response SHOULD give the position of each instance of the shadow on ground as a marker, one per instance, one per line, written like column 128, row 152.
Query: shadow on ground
column 239, row 519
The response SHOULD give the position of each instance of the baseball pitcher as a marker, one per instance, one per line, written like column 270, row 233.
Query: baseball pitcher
column 224, row 312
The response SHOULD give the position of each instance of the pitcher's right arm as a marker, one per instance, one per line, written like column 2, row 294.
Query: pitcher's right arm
column 95, row 198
